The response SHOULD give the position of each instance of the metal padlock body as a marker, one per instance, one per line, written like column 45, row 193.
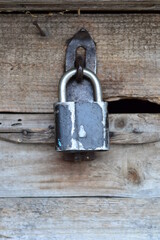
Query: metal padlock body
column 81, row 126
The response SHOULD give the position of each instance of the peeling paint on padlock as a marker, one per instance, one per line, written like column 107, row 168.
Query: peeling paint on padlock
column 82, row 133
column 81, row 126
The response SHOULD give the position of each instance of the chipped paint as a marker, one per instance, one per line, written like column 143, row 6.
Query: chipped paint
column 82, row 133
column 104, row 107
column 77, row 124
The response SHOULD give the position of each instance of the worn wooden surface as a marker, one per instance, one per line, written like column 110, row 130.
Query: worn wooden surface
column 81, row 219
column 37, row 170
column 31, row 65
column 49, row 195
column 39, row 128
column 70, row 5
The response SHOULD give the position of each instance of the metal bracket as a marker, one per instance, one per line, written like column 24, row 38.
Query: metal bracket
column 80, row 91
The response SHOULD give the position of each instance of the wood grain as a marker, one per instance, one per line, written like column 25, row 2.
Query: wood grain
column 39, row 128
column 35, row 170
column 31, row 65
column 89, row 5
column 81, row 219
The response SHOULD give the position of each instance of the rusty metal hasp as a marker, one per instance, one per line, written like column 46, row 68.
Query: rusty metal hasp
column 81, row 115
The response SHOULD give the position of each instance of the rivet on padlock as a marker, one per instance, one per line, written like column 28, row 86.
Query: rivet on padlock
column 83, row 125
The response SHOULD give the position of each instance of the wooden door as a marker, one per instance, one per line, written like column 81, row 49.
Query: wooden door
column 47, row 195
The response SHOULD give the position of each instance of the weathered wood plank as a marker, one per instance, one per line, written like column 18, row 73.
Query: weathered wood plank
column 31, row 65
column 37, row 170
column 39, row 128
column 89, row 5
column 80, row 218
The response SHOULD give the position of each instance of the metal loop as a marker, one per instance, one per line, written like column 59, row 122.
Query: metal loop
column 68, row 75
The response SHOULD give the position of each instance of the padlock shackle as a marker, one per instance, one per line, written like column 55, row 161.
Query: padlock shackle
column 69, row 74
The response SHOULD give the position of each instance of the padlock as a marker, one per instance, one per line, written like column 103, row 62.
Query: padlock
column 83, row 125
